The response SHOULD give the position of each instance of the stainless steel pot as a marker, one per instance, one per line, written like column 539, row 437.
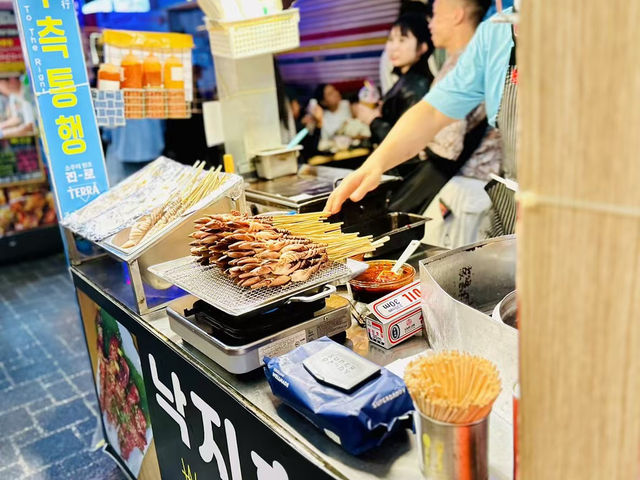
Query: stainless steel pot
column 507, row 310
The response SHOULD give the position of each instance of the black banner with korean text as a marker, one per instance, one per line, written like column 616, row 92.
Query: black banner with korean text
column 201, row 432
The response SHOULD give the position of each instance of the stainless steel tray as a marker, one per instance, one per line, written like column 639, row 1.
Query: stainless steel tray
column 211, row 285
column 329, row 321
column 120, row 206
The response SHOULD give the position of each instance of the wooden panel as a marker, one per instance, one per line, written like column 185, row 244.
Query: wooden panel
column 579, row 268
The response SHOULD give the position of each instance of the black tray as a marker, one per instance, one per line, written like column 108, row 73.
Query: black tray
column 401, row 228
column 240, row 331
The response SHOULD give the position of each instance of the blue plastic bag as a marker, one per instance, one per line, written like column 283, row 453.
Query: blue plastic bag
column 359, row 420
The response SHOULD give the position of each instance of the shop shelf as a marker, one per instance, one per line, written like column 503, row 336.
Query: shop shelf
column 26, row 244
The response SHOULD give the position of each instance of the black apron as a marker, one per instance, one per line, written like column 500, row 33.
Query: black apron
column 423, row 180
column 503, row 220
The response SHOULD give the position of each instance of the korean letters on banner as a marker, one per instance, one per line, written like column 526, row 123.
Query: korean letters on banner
column 227, row 463
column 51, row 41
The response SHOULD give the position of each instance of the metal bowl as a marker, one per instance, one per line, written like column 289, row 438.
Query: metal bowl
column 507, row 310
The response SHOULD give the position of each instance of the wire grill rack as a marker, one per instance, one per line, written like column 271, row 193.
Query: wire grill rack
column 211, row 285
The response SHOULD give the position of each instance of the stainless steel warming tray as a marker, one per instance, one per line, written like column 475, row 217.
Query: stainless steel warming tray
column 211, row 285
column 331, row 320
column 89, row 245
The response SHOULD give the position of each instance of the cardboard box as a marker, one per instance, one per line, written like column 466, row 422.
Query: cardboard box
column 395, row 317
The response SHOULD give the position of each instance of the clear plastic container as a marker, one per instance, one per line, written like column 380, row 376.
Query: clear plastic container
column 108, row 77
column 131, row 72
column 379, row 281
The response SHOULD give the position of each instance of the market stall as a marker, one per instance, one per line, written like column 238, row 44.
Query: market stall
column 200, row 410
column 179, row 344
column 225, row 344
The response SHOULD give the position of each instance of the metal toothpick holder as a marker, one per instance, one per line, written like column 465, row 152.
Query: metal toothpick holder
column 452, row 452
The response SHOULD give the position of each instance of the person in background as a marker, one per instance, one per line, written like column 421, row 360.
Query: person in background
column 332, row 115
column 409, row 46
column 330, row 112
column 132, row 147
column 17, row 112
column 386, row 69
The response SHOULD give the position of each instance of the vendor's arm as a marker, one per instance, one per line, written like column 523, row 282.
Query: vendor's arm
column 462, row 90
column 406, row 139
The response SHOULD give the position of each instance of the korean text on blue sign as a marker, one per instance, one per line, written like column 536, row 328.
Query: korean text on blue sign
column 51, row 41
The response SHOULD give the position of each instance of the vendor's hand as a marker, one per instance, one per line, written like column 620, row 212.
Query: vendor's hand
column 354, row 186
column 366, row 114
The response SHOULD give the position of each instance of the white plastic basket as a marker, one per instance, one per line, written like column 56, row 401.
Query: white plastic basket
column 257, row 36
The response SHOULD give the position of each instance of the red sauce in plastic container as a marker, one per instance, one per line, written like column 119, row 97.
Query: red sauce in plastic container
column 379, row 281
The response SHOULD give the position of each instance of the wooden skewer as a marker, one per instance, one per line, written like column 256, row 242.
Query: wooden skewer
column 453, row 387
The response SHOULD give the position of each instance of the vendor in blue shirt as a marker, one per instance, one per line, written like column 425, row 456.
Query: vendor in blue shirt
column 485, row 72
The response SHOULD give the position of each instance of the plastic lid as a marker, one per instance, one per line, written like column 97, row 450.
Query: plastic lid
column 130, row 58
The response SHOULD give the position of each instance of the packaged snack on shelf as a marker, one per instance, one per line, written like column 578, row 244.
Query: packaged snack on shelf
column 31, row 206
column 20, row 160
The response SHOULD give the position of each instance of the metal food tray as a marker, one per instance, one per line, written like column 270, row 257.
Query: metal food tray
column 105, row 216
column 232, row 186
column 211, row 285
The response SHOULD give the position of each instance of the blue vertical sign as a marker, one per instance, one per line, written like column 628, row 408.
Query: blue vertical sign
column 51, row 42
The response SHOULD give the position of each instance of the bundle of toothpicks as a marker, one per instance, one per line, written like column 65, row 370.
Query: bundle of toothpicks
column 453, row 387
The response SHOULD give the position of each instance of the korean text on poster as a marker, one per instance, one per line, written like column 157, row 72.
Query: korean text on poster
column 52, row 43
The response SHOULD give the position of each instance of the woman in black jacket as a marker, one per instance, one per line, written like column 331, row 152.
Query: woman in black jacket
column 409, row 47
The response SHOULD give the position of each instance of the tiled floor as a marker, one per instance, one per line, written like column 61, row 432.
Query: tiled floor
column 48, row 409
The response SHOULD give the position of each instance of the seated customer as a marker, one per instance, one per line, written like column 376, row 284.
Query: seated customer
column 332, row 112
column 333, row 116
